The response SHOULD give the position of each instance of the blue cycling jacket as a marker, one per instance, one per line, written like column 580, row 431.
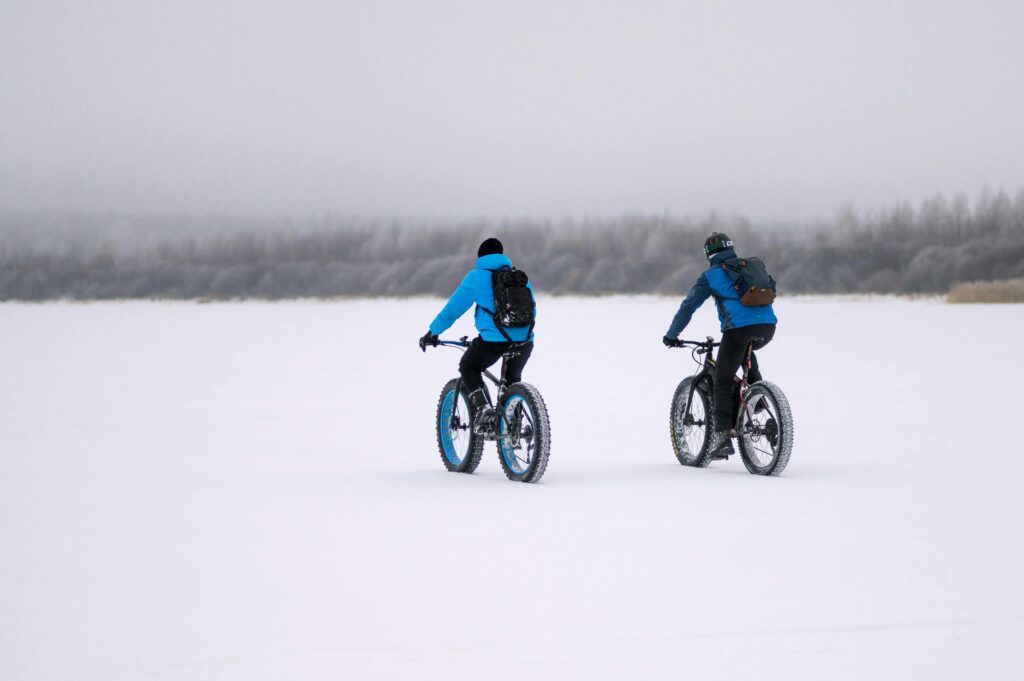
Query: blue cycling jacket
column 476, row 288
column 731, row 312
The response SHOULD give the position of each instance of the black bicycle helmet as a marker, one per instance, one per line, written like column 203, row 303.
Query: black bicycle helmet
column 716, row 243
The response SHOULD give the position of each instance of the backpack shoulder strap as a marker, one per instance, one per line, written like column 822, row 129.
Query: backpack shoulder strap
column 487, row 269
column 732, row 267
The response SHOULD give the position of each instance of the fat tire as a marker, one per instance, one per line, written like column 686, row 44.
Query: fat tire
column 475, row 450
column 680, row 404
column 542, row 424
column 785, row 448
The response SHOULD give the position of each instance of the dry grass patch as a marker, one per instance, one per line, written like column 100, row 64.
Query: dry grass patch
column 1007, row 291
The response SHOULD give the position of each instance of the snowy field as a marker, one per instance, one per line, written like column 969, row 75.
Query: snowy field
column 253, row 491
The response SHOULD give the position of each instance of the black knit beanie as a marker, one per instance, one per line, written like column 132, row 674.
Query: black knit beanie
column 489, row 246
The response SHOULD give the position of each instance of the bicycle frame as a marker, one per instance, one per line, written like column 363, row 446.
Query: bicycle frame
column 500, row 383
column 706, row 373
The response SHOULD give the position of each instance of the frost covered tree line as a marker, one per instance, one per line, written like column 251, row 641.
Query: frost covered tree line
column 48, row 256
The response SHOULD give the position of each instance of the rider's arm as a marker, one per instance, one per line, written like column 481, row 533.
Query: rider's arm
column 457, row 305
column 694, row 299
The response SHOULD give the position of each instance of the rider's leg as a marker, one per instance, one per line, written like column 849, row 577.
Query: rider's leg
column 730, row 355
column 765, row 331
column 514, row 372
column 754, row 373
column 479, row 356
column 726, row 363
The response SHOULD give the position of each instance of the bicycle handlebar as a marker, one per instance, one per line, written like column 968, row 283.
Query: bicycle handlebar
column 700, row 346
column 461, row 343
column 464, row 343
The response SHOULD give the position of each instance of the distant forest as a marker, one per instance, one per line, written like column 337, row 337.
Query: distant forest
column 47, row 256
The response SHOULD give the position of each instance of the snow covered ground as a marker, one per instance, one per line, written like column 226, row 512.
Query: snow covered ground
column 252, row 491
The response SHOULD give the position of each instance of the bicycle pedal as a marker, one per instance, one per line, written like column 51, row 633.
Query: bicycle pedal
column 483, row 424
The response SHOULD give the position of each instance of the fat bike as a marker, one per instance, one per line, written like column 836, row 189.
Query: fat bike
column 764, row 421
column 520, row 425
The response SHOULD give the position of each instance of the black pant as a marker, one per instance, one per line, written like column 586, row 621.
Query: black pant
column 482, row 354
column 730, row 356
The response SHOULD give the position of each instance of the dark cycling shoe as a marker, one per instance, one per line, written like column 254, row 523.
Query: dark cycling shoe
column 721, row 446
column 483, row 412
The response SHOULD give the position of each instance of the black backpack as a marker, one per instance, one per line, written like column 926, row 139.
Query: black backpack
column 513, row 301
column 751, row 280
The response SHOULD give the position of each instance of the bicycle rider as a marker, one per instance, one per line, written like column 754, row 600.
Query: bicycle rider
column 739, row 324
column 488, row 347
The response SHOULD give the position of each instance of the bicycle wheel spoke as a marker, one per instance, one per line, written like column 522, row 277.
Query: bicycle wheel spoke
column 692, row 419
column 765, row 430
column 520, row 430
column 522, row 440
column 767, row 454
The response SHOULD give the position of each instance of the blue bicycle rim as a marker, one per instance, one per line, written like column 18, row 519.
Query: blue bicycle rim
column 513, row 463
column 446, row 434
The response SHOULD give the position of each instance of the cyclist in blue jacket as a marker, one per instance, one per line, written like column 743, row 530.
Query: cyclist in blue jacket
column 739, row 322
column 488, row 347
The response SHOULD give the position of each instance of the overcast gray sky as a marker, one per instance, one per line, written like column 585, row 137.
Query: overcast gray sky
column 504, row 109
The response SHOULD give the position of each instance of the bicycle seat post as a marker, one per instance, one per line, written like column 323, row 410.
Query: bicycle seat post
column 506, row 356
column 747, row 365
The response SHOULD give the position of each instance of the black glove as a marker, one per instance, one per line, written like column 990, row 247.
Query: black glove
column 671, row 342
column 428, row 339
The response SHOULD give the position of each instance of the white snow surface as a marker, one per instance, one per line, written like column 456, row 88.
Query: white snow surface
column 253, row 491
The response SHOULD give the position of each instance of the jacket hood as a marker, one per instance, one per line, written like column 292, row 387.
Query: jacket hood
column 494, row 261
column 722, row 256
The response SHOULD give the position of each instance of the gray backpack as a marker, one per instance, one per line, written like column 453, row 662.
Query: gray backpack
column 751, row 280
